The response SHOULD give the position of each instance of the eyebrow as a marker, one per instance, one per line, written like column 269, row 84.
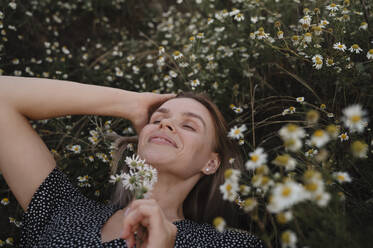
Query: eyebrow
column 190, row 114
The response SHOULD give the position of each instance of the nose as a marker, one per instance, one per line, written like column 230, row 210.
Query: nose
column 166, row 123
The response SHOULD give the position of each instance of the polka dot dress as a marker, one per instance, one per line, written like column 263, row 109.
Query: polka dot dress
column 60, row 216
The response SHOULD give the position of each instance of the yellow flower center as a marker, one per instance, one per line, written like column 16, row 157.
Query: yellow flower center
column 265, row 180
column 355, row 118
column 311, row 187
column 371, row 51
column 248, row 202
column 286, row 191
column 358, row 146
column 218, row 221
column 355, row 46
column 282, row 159
column 289, row 142
column 292, row 127
column 341, row 178
column 333, row 5
column 281, row 218
column 254, row 158
column 285, row 238
column 318, row 133
column 228, row 173
column 343, row 136
column 228, row 187
column 340, row 46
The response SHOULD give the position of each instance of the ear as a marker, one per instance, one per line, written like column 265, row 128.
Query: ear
column 212, row 164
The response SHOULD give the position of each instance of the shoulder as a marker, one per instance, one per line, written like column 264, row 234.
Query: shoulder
column 205, row 235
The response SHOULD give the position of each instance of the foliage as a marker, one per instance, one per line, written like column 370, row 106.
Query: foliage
column 266, row 63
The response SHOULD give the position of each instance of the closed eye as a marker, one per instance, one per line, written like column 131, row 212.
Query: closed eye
column 189, row 127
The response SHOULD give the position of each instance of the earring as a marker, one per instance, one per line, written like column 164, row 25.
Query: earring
column 207, row 169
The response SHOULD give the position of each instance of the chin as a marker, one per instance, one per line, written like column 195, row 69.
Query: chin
column 155, row 156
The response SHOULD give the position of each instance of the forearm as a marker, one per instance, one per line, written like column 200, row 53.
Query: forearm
column 38, row 98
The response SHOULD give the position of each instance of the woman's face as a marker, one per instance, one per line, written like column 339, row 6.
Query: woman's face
column 179, row 138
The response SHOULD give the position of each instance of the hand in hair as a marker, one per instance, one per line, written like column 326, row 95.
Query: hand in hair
column 161, row 233
column 144, row 103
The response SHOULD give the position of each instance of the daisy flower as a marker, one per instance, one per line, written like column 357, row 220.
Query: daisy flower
column 295, row 40
column 12, row 5
column 210, row 20
column 355, row 49
column 76, row 148
column 244, row 189
column 300, row 99
column 292, row 110
column 312, row 116
column 229, row 190
column 322, row 199
column 307, row 37
column 311, row 152
column 333, row 130
column 354, row 118
column 177, row 55
column 323, row 23
column 370, row 54
column 333, row 7
column 318, row 61
column 320, row 138
column 115, row 178
column 5, row 201
column 286, row 161
column 329, row 62
column 237, row 132
column 200, row 35
column 363, row 26
column 339, row 46
column 288, row 239
column 232, row 175
column 284, row 217
column 292, row 131
column 342, row 177
column 280, row 34
column 130, row 181
column 219, row 223
column 305, row 20
column 238, row 110
column 285, row 195
column 257, row 158
column 239, row 17
column 343, row 136
column 194, row 83
column 249, row 204
column 134, row 161
column 359, row 149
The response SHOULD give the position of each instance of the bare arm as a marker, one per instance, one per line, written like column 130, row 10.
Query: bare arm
column 25, row 161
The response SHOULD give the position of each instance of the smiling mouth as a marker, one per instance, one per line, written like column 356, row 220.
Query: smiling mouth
column 161, row 141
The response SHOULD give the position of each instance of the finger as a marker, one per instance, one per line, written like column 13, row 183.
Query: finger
column 130, row 241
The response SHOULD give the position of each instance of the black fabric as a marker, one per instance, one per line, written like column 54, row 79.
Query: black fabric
column 60, row 216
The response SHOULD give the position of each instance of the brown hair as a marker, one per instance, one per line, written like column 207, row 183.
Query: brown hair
column 204, row 202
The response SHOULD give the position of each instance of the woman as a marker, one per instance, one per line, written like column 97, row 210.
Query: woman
column 184, row 140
